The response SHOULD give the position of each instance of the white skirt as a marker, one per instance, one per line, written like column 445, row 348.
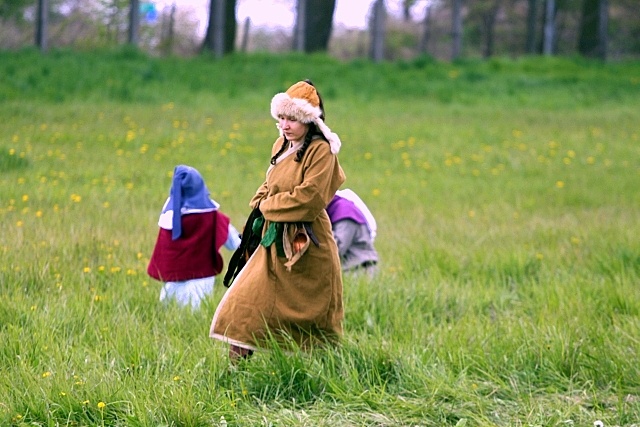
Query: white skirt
column 188, row 291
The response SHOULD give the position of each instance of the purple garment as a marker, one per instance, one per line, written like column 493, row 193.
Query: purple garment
column 340, row 208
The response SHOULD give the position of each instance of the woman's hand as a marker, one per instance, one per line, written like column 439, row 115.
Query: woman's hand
column 299, row 241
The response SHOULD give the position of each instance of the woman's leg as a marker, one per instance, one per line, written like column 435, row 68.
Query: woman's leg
column 236, row 353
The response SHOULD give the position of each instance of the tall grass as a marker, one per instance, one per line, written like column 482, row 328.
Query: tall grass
column 506, row 197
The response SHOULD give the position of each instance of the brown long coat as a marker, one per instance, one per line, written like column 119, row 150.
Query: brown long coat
column 304, row 304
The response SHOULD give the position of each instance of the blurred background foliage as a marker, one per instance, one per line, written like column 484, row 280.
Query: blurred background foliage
column 410, row 28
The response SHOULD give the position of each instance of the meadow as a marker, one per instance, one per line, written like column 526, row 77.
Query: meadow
column 506, row 196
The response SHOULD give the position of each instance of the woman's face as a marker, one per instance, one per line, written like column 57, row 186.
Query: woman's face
column 293, row 130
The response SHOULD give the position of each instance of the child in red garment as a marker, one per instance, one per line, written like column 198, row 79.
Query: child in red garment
column 187, row 255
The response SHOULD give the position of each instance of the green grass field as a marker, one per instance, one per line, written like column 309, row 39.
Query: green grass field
column 508, row 204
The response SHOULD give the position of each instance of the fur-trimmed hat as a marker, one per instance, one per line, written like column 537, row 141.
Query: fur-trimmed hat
column 302, row 102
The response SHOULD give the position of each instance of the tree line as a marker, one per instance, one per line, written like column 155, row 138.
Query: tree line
column 439, row 28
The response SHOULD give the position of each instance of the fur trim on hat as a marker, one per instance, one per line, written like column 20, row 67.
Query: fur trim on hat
column 302, row 103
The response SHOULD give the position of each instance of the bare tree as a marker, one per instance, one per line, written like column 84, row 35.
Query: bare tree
column 299, row 31
column 532, row 18
column 424, row 39
column 549, row 27
column 488, row 13
column 593, row 29
column 376, row 27
column 406, row 9
column 221, row 28
column 134, row 22
column 456, row 31
column 314, row 24
column 42, row 25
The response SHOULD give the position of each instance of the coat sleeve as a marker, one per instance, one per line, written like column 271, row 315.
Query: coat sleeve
column 322, row 176
column 261, row 193
column 263, row 190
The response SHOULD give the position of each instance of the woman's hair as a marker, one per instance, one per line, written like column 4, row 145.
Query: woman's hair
column 312, row 133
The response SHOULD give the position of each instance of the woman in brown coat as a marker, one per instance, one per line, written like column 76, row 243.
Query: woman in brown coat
column 291, row 287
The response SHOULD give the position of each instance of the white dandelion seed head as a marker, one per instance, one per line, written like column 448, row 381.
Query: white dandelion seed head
column 598, row 423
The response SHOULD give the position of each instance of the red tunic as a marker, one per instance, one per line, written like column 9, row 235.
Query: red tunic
column 195, row 254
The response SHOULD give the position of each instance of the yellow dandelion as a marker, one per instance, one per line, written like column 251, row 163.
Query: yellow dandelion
column 86, row 270
column 559, row 184
column 368, row 156
column 376, row 192
column 106, row 205
column 176, row 378
column 566, row 161
column 25, row 197
column 472, row 213
column 101, row 405
column 85, row 402
column 34, row 307
column 46, row 374
column 101, row 268
column 39, row 214
column 62, row 393
column 19, row 223
column 575, row 240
